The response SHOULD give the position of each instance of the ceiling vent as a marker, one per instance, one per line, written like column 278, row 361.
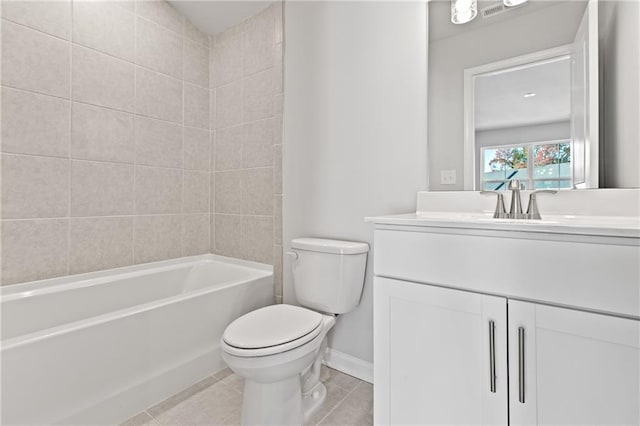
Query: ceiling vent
column 491, row 11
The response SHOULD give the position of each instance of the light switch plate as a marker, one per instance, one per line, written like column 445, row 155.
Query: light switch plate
column 447, row 177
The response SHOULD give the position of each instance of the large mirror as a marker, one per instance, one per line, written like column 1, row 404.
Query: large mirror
column 521, row 123
column 533, row 93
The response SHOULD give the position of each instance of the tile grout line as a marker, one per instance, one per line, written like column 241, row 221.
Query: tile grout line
column 243, row 249
column 211, row 147
column 279, row 286
column 117, row 163
column 135, row 135
column 184, row 18
column 155, row 419
column 113, row 216
column 101, row 52
column 70, row 172
column 182, row 243
column 135, row 16
column 132, row 113
column 163, row 28
column 211, row 101
column 338, row 404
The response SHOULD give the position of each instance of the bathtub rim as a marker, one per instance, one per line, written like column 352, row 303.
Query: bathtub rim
column 62, row 329
column 20, row 290
column 265, row 272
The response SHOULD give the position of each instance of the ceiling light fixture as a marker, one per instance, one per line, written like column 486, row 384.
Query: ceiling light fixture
column 529, row 95
column 463, row 11
column 511, row 3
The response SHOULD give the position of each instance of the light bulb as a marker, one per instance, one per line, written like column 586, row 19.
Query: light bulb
column 463, row 11
column 511, row 3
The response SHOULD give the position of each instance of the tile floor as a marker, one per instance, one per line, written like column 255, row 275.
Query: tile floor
column 216, row 400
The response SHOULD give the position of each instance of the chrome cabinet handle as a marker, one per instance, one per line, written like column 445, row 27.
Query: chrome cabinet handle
column 492, row 356
column 521, row 364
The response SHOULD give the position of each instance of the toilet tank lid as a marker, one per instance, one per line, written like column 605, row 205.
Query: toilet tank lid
column 323, row 245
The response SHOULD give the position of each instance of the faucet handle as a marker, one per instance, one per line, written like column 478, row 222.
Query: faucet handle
column 500, row 211
column 544, row 191
column 532, row 209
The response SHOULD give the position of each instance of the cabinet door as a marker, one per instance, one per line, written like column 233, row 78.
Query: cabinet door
column 572, row 367
column 433, row 359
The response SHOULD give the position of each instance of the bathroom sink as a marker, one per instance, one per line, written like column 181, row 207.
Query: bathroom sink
column 471, row 217
column 609, row 212
column 620, row 226
column 455, row 215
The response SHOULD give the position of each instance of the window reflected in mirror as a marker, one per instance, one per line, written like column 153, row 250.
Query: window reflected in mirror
column 537, row 165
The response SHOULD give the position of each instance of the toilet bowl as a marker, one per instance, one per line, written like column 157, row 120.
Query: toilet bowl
column 276, row 392
column 279, row 349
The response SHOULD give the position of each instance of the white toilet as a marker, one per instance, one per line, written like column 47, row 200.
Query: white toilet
column 278, row 349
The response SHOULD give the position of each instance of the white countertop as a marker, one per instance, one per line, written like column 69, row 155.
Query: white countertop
column 611, row 226
column 594, row 212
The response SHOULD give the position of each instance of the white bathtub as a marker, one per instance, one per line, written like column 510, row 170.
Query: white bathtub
column 97, row 348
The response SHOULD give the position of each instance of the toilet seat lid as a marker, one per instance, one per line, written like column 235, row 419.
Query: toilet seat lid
column 271, row 326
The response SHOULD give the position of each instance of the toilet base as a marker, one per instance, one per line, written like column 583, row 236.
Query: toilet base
column 277, row 403
column 312, row 402
column 280, row 403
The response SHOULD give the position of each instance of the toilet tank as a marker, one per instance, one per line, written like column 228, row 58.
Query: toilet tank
column 328, row 275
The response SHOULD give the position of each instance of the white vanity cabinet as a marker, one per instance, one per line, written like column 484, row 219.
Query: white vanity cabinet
column 579, row 367
column 434, row 350
column 460, row 337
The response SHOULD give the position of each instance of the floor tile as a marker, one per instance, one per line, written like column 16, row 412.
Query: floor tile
column 234, row 418
column 335, row 395
column 355, row 410
column 340, row 379
column 176, row 399
column 215, row 405
column 142, row 419
column 234, row 381
column 217, row 400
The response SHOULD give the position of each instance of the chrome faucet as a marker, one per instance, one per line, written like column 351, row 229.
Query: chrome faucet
column 515, row 210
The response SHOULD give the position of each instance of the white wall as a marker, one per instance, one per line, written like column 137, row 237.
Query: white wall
column 449, row 57
column 620, row 92
column 354, row 131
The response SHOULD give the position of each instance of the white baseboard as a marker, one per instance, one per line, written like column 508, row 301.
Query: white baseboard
column 350, row 365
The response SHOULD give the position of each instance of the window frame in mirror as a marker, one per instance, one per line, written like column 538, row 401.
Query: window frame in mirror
column 470, row 74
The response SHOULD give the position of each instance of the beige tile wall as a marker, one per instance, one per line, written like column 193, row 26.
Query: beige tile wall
column 246, row 84
column 110, row 115
column 106, row 144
